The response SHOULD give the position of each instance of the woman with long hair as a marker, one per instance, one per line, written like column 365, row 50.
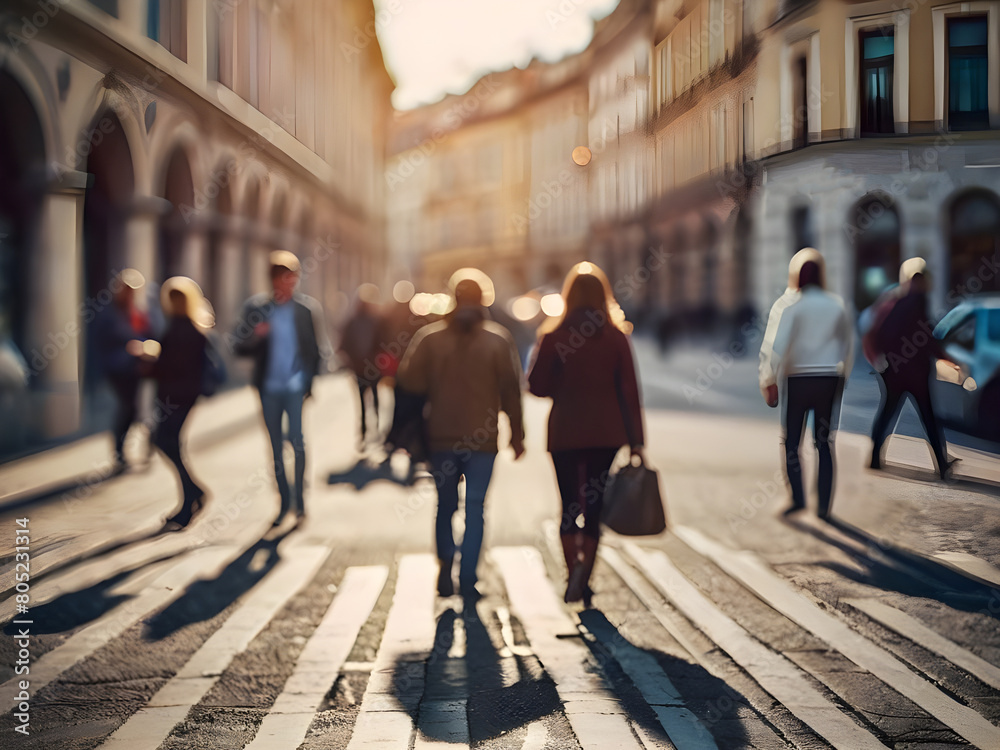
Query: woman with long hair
column 584, row 364
column 180, row 373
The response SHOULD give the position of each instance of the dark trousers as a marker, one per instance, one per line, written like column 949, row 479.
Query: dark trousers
column 582, row 475
column 168, row 440
column 126, row 390
column 276, row 404
column 365, row 384
column 819, row 394
column 895, row 387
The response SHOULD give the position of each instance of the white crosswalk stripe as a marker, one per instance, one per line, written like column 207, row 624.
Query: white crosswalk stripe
column 199, row 564
column 752, row 572
column 147, row 728
column 775, row 673
column 922, row 635
column 321, row 660
column 407, row 640
column 593, row 711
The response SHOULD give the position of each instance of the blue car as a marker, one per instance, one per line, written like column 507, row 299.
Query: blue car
column 970, row 334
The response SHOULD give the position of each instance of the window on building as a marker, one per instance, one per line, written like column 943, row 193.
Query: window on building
column 225, row 47
column 108, row 6
column 877, row 52
column 717, row 147
column 166, row 23
column 717, row 32
column 800, row 100
column 967, row 74
column 974, row 242
column 666, row 77
column 748, row 144
column 802, row 228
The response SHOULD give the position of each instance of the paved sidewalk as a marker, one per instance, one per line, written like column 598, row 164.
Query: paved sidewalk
column 87, row 462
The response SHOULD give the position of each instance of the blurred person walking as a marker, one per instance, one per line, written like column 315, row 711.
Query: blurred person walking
column 407, row 431
column 584, row 363
column 359, row 345
column 468, row 369
column 186, row 367
column 811, row 354
column 768, row 374
column 118, row 332
column 283, row 332
column 901, row 347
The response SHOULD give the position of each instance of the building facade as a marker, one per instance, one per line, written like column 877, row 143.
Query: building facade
column 176, row 137
column 724, row 135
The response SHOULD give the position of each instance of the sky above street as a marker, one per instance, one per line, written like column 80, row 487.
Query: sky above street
column 436, row 47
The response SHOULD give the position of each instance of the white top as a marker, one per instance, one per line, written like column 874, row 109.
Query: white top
column 815, row 336
column 768, row 367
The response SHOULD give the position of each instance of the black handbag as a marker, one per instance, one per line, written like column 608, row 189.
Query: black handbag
column 633, row 505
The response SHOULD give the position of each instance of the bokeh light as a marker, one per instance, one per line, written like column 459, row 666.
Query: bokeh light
column 553, row 305
column 403, row 291
column 525, row 308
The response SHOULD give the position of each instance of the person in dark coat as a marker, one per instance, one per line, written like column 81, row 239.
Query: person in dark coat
column 408, row 430
column 584, row 363
column 119, row 330
column 179, row 375
column 359, row 344
column 904, row 351
column 284, row 334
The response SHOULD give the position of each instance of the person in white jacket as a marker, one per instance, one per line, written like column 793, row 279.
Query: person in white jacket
column 811, row 354
column 767, row 371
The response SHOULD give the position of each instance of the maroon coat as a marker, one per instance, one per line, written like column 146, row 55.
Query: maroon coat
column 587, row 370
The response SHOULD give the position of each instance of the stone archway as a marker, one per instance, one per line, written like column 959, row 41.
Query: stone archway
column 105, row 212
column 22, row 162
column 178, row 190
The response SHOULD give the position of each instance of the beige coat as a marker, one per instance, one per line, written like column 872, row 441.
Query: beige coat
column 470, row 372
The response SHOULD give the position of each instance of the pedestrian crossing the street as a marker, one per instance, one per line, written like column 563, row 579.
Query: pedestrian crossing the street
column 376, row 660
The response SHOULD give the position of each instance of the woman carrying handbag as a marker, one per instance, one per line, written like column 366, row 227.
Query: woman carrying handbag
column 584, row 364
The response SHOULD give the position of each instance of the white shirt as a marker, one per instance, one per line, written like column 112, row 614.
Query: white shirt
column 815, row 336
column 767, row 370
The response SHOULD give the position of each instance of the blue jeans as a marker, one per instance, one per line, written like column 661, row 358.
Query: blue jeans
column 477, row 467
column 274, row 405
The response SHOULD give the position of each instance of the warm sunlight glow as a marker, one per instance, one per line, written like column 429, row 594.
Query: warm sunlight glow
column 435, row 47
column 525, row 308
column 553, row 305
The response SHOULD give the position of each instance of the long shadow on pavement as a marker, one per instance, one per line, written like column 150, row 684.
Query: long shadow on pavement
column 928, row 580
column 364, row 473
column 493, row 694
column 76, row 608
column 204, row 599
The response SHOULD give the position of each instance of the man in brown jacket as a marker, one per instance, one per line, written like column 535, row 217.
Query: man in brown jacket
column 469, row 370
